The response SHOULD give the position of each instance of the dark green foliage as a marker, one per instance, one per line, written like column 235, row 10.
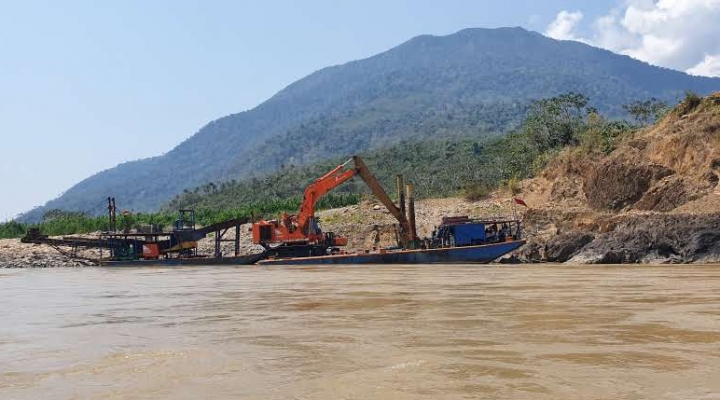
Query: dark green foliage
column 61, row 214
column 433, row 166
column 646, row 112
column 555, row 122
column 66, row 223
column 472, row 168
column 602, row 135
column 356, row 130
column 11, row 229
column 471, row 85
column 57, row 222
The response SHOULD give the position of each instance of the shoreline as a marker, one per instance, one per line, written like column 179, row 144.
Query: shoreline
column 555, row 235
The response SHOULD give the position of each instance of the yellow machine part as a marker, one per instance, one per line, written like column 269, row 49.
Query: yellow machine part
column 181, row 246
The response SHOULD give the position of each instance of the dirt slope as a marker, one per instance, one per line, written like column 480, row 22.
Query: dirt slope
column 654, row 199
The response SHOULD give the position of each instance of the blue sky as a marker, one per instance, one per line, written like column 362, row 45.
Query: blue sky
column 85, row 85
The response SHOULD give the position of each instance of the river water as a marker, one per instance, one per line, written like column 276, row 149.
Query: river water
column 352, row 332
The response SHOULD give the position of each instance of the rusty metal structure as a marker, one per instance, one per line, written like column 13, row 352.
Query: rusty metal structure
column 152, row 244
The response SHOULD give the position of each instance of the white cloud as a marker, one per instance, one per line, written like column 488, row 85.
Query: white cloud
column 563, row 27
column 676, row 34
column 657, row 50
column 609, row 34
column 709, row 66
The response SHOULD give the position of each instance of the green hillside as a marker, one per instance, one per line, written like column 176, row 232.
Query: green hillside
column 439, row 168
column 474, row 84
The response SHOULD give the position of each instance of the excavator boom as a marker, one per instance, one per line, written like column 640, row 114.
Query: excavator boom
column 381, row 195
column 319, row 188
column 300, row 228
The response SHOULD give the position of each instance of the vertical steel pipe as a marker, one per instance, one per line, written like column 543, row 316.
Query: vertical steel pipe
column 411, row 211
column 401, row 194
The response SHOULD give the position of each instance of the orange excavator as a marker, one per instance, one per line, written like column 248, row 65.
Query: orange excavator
column 299, row 235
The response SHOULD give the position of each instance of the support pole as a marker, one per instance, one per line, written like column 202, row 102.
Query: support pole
column 237, row 240
column 113, row 215
column 401, row 194
column 217, row 243
column 411, row 214
column 109, row 213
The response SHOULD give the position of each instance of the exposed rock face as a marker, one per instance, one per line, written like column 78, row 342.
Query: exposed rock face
column 654, row 199
column 562, row 247
column 657, row 238
column 615, row 184
column 670, row 193
column 639, row 238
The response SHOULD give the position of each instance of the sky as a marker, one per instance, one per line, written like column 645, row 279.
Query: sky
column 86, row 85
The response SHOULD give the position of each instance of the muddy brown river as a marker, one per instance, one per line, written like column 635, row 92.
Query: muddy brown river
column 380, row 332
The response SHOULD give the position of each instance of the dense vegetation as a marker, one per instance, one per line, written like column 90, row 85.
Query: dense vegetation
column 465, row 88
column 57, row 222
column 438, row 168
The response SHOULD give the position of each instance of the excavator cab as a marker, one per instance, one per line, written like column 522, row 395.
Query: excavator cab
column 263, row 232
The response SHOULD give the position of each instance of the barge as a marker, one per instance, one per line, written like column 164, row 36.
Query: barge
column 458, row 240
column 176, row 262
column 480, row 254
column 299, row 239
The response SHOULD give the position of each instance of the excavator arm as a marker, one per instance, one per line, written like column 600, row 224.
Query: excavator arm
column 319, row 188
column 340, row 175
column 381, row 195
column 296, row 228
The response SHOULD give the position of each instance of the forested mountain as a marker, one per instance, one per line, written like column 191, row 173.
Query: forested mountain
column 471, row 84
column 447, row 167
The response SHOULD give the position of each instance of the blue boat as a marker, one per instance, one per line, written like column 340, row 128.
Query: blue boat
column 475, row 254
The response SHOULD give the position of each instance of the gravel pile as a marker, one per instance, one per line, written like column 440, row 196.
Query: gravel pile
column 14, row 254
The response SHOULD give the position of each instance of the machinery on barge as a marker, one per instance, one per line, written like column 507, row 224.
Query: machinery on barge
column 298, row 238
column 300, row 235
column 151, row 245
column 458, row 240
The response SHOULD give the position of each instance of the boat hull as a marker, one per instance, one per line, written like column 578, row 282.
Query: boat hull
column 481, row 254
column 171, row 262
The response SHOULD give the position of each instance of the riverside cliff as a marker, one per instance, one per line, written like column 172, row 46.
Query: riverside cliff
column 655, row 198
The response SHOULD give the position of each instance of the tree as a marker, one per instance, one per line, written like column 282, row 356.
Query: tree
column 646, row 112
column 602, row 135
column 556, row 122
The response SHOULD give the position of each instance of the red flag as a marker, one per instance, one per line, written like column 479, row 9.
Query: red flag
column 519, row 201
